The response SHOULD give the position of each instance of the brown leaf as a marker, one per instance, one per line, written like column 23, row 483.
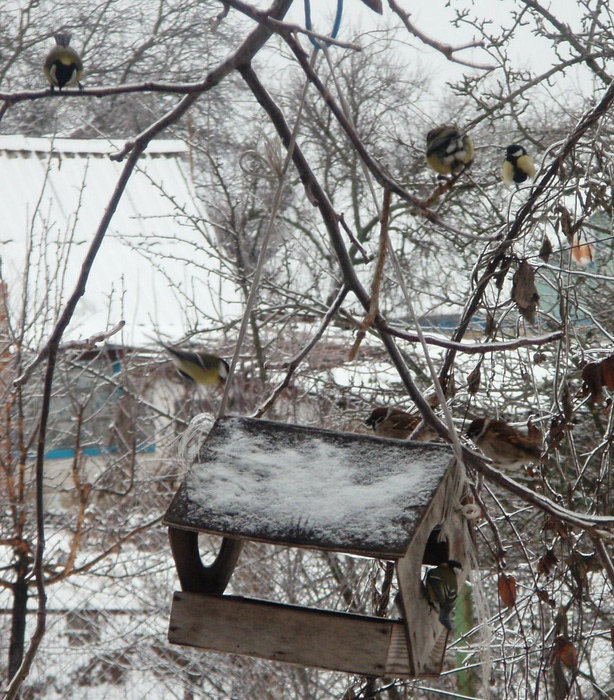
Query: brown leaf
column 524, row 291
column 612, row 636
column 534, row 433
column 606, row 368
column 580, row 564
column 566, row 652
column 592, row 382
column 582, row 253
column 544, row 596
column 556, row 432
column 539, row 358
column 507, row 590
column 375, row 5
column 566, row 225
column 474, row 378
column 546, row 250
column 547, row 563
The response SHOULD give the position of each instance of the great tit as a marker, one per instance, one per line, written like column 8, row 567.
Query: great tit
column 502, row 443
column 517, row 166
column 63, row 66
column 448, row 150
column 200, row 367
column 441, row 589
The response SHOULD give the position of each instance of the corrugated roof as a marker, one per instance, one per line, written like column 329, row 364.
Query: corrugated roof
column 53, row 194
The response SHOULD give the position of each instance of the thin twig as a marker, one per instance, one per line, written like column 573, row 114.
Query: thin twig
column 447, row 50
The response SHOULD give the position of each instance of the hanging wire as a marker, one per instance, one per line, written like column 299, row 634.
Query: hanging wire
column 333, row 35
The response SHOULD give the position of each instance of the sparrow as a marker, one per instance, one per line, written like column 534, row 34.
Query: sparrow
column 392, row 422
column 63, row 66
column 200, row 367
column 517, row 166
column 441, row 588
column 448, row 151
column 502, row 443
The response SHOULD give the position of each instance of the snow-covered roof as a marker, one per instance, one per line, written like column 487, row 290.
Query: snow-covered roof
column 293, row 485
column 53, row 195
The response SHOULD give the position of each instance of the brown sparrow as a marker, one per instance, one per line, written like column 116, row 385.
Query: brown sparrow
column 502, row 443
column 392, row 422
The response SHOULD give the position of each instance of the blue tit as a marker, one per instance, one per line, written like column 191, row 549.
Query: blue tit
column 517, row 166
column 200, row 367
column 63, row 66
column 441, row 589
column 448, row 151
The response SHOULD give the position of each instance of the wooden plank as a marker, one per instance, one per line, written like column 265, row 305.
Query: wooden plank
column 304, row 636
column 305, row 487
column 427, row 637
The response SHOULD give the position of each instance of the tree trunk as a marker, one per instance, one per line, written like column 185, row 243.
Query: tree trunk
column 18, row 621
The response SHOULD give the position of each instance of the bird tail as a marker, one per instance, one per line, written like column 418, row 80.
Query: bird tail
column 444, row 618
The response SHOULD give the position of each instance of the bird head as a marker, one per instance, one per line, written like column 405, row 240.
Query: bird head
column 377, row 416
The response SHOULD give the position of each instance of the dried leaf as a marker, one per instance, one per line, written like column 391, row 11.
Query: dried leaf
column 524, row 291
column 474, row 379
column 546, row 250
column 566, row 652
column 547, row 563
column 544, row 596
column 539, row 358
column 556, row 432
column 507, row 590
column 612, row 636
column 580, row 564
column 534, row 433
column 592, row 383
column 606, row 368
column 566, row 225
column 375, row 5
column 582, row 253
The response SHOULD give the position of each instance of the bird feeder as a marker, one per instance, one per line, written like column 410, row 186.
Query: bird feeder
column 293, row 486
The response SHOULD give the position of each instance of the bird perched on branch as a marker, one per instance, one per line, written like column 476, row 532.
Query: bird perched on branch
column 392, row 422
column 448, row 150
column 502, row 443
column 200, row 367
column 517, row 166
column 441, row 587
column 63, row 66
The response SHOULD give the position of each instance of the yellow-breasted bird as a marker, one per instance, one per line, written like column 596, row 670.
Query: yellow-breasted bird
column 441, row 588
column 448, row 150
column 63, row 66
column 200, row 367
column 517, row 166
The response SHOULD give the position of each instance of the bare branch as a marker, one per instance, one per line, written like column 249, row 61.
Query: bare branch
column 447, row 50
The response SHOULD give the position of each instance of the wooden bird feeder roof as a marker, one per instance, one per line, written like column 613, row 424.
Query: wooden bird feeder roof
column 303, row 487
column 336, row 492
